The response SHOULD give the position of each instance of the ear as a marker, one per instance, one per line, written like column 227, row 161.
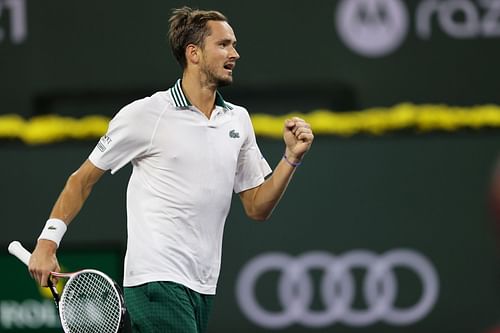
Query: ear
column 193, row 54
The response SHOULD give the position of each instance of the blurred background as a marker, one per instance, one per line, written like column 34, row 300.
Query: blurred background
column 392, row 228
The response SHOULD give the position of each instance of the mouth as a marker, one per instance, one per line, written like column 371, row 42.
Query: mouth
column 229, row 66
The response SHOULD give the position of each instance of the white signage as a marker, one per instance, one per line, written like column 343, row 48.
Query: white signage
column 372, row 27
column 17, row 29
column 295, row 288
column 375, row 28
column 28, row 314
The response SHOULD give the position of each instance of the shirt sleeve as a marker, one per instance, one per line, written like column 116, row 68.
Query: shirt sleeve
column 252, row 167
column 127, row 138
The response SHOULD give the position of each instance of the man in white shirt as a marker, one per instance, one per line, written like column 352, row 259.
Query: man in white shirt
column 190, row 150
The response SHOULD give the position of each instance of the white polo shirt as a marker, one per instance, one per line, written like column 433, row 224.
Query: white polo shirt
column 185, row 169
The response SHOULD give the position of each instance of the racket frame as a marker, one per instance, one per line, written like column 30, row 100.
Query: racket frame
column 73, row 275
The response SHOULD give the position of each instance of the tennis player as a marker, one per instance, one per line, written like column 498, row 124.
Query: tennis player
column 190, row 149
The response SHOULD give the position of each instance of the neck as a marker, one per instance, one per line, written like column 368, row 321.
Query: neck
column 200, row 94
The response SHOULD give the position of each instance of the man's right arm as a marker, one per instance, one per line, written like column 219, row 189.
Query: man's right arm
column 76, row 191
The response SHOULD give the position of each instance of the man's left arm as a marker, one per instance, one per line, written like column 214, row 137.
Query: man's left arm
column 259, row 202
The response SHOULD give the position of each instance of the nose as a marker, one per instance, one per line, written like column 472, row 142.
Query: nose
column 234, row 54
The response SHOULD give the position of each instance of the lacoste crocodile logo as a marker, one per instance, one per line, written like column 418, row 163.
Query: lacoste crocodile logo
column 233, row 134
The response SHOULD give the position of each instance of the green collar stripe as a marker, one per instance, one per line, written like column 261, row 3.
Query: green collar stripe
column 174, row 97
column 178, row 95
column 176, row 101
column 220, row 101
column 180, row 99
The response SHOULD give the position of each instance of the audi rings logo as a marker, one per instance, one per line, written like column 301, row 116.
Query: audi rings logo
column 337, row 286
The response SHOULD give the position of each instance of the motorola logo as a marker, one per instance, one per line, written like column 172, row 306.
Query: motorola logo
column 372, row 28
column 376, row 28
column 296, row 289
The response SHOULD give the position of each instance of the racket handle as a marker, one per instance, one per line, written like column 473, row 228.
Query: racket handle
column 17, row 250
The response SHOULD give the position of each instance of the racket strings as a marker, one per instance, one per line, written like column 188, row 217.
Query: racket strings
column 90, row 304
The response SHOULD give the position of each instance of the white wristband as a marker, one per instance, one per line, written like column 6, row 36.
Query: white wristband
column 54, row 230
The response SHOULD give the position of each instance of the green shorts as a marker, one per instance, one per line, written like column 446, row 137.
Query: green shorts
column 167, row 307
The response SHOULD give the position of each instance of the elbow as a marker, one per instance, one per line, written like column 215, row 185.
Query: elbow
column 256, row 207
column 259, row 216
column 78, row 184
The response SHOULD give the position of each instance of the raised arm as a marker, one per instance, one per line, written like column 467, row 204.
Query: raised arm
column 259, row 202
column 70, row 201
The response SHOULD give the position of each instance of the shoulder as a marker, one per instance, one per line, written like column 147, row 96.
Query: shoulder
column 143, row 109
column 158, row 100
column 238, row 111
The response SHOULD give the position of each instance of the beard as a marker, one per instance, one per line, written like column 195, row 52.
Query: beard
column 223, row 82
column 212, row 78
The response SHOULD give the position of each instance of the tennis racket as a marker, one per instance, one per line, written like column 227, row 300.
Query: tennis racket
column 90, row 302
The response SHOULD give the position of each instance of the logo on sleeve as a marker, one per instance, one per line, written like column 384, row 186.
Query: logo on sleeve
column 233, row 134
column 103, row 143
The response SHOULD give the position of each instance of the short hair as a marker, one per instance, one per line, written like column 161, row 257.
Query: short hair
column 189, row 26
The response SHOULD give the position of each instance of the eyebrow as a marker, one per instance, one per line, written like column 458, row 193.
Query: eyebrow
column 227, row 40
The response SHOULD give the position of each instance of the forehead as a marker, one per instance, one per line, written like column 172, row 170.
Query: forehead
column 220, row 30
